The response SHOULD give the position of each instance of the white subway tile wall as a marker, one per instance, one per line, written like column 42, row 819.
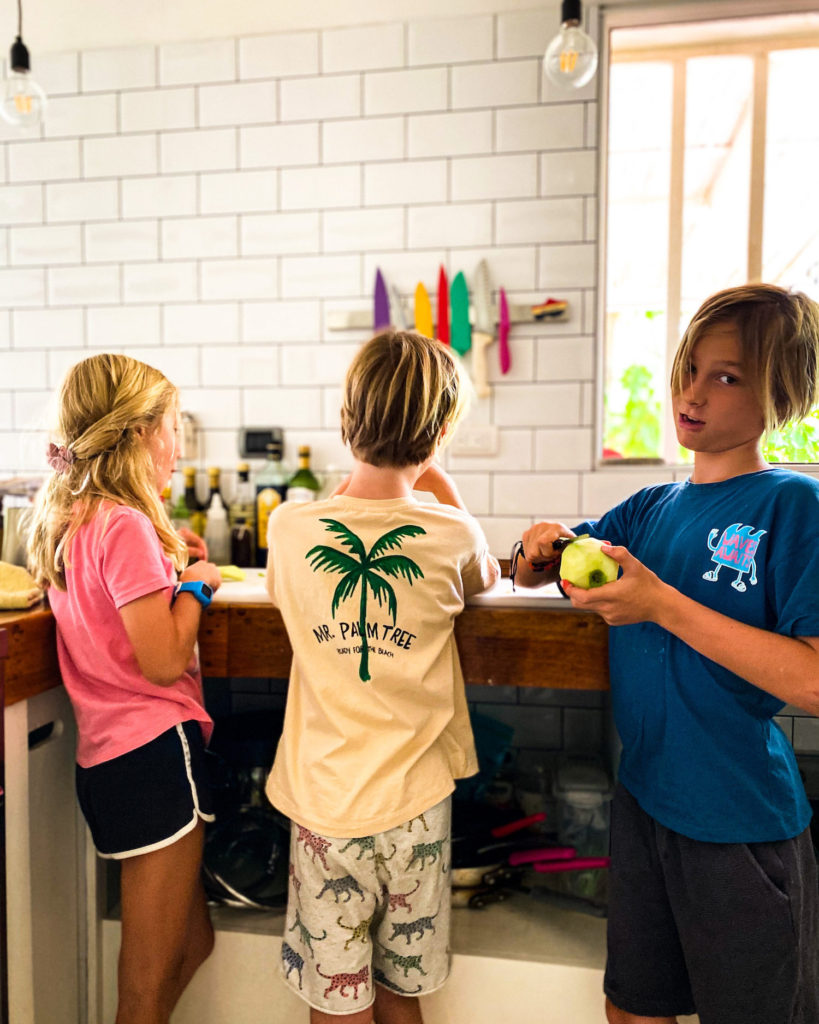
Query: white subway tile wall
column 209, row 207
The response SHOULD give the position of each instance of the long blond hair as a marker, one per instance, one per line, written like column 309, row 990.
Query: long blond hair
column 108, row 404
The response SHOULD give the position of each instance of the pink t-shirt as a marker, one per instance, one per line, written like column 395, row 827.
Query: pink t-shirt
column 113, row 560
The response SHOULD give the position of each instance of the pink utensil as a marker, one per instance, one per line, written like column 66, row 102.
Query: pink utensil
column 575, row 864
column 503, row 332
column 516, row 826
column 547, row 853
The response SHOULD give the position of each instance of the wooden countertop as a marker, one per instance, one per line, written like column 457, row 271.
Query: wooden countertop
column 31, row 662
column 540, row 647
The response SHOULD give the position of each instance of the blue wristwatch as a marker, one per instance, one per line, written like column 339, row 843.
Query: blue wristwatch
column 203, row 592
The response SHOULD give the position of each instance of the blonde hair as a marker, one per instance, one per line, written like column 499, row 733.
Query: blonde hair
column 107, row 406
column 402, row 389
column 779, row 338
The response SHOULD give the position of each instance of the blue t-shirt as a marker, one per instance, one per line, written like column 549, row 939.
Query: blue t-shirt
column 701, row 753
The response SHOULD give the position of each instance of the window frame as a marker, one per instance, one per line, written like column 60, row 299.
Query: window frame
column 657, row 14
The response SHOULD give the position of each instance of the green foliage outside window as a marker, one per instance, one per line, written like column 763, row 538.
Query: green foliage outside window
column 797, row 442
column 634, row 432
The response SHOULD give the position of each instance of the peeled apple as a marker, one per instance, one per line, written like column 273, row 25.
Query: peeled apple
column 584, row 564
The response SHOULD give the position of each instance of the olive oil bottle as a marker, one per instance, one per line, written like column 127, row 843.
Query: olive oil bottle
column 196, row 510
column 271, row 490
column 303, row 484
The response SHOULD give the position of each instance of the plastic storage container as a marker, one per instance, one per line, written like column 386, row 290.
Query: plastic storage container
column 583, row 793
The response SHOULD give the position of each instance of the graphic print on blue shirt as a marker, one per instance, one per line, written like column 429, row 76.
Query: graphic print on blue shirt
column 362, row 566
column 735, row 549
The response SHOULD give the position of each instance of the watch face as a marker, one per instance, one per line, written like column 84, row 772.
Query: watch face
column 207, row 590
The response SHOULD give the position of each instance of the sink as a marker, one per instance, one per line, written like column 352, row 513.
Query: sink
column 251, row 590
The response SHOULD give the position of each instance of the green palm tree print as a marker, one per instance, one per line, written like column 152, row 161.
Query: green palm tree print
column 362, row 566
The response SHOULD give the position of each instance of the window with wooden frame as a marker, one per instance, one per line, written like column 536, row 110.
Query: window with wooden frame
column 711, row 168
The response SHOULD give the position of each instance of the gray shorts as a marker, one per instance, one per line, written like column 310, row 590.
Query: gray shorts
column 369, row 909
column 725, row 930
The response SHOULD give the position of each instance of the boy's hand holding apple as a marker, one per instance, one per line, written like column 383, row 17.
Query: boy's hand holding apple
column 637, row 596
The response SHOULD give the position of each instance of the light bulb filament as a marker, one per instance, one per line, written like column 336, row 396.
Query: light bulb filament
column 568, row 60
column 22, row 103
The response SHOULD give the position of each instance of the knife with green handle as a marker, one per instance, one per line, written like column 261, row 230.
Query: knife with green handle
column 460, row 329
column 484, row 333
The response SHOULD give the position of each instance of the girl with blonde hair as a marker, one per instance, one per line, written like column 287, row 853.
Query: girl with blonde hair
column 127, row 609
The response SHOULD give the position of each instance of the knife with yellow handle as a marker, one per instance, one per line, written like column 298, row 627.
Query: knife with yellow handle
column 423, row 312
column 484, row 332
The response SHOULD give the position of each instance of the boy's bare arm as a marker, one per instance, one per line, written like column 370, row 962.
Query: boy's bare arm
column 538, row 550
column 439, row 483
column 787, row 667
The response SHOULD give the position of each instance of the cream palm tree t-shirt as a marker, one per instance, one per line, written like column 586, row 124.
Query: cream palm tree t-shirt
column 376, row 727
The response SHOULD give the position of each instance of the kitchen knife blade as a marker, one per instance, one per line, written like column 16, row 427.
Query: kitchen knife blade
column 443, row 307
column 398, row 316
column 461, row 328
column 503, row 332
column 423, row 311
column 484, row 333
column 381, row 303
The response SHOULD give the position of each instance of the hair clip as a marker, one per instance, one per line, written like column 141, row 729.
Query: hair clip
column 59, row 457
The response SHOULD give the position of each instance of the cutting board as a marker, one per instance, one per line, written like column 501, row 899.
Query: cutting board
column 250, row 590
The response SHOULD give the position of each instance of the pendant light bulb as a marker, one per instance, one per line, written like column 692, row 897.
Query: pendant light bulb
column 22, row 100
column 571, row 57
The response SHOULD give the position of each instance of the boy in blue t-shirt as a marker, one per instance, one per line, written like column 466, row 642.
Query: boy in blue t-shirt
column 714, row 905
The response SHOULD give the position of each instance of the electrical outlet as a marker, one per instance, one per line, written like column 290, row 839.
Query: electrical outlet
column 476, row 439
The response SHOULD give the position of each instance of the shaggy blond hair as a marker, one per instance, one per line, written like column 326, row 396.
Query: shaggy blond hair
column 108, row 404
column 779, row 339
column 401, row 390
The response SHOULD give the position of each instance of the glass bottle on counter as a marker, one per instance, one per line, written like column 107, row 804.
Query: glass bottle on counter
column 271, row 489
column 243, row 502
column 303, row 484
column 180, row 517
column 196, row 510
column 217, row 531
column 242, row 518
column 213, row 483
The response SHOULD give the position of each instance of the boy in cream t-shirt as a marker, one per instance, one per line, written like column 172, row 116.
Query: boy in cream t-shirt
column 376, row 729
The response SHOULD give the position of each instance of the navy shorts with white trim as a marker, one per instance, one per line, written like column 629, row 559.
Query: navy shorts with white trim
column 149, row 797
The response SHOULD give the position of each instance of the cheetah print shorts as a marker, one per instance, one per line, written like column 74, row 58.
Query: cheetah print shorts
column 369, row 909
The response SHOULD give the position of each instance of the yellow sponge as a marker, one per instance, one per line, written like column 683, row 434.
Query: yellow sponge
column 231, row 572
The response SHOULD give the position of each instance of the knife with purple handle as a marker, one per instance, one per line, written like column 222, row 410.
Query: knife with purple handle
column 381, row 303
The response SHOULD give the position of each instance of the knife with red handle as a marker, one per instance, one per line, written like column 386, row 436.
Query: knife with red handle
column 443, row 307
column 503, row 332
